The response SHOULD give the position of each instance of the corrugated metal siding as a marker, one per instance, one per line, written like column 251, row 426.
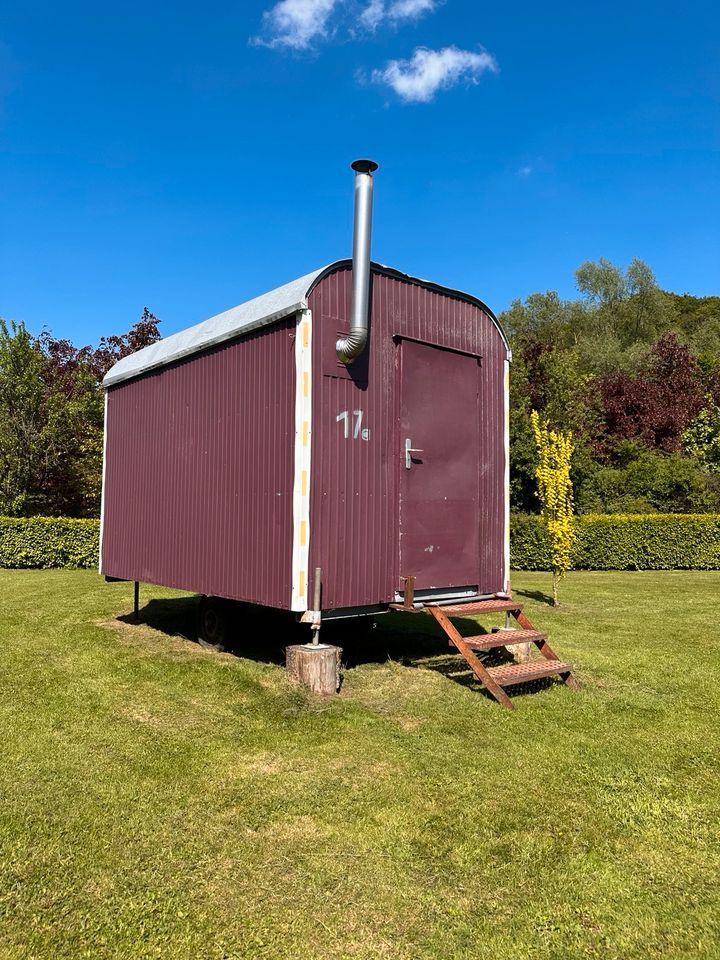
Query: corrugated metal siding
column 199, row 472
column 354, row 494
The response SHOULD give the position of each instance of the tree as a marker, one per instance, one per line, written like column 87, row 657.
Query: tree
column 625, row 367
column 701, row 440
column 657, row 405
column 75, row 404
column 645, row 308
column 555, row 492
column 601, row 282
column 647, row 481
column 114, row 348
column 51, row 415
column 630, row 302
column 73, row 378
column 27, row 448
column 51, row 418
column 545, row 319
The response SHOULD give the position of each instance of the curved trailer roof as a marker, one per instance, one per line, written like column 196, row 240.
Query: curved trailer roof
column 259, row 312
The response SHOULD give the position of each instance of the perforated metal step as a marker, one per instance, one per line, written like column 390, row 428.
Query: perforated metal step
column 495, row 679
column 478, row 607
column 513, row 673
column 503, row 638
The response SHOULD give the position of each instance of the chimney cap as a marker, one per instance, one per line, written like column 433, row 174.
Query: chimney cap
column 364, row 166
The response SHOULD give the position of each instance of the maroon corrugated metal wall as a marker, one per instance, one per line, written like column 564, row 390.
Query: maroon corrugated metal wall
column 199, row 472
column 355, row 483
column 200, row 455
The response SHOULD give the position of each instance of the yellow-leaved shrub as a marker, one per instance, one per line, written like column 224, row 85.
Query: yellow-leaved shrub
column 555, row 493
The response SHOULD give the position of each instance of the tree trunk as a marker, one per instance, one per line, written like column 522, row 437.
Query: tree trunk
column 315, row 667
column 556, row 602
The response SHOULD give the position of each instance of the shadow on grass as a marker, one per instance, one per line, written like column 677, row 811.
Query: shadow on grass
column 176, row 617
column 535, row 595
column 417, row 641
column 262, row 634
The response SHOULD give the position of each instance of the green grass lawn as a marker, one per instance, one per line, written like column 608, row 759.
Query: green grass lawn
column 161, row 800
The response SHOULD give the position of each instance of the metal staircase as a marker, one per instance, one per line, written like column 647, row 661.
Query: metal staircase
column 495, row 679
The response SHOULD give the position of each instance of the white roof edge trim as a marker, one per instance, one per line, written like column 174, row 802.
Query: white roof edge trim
column 259, row 312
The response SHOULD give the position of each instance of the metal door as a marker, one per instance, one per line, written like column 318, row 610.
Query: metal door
column 439, row 465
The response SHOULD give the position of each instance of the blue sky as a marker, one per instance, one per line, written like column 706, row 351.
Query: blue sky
column 190, row 156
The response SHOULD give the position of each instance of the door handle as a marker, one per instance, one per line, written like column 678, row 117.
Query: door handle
column 409, row 451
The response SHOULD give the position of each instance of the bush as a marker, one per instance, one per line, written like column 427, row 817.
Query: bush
column 48, row 542
column 656, row 541
column 529, row 543
column 643, row 481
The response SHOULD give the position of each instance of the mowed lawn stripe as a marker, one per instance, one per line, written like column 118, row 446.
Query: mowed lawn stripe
column 161, row 800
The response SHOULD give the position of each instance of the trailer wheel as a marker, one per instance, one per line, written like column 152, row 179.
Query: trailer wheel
column 213, row 623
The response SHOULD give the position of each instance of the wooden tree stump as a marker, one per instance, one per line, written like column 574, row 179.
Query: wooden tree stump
column 316, row 667
column 521, row 652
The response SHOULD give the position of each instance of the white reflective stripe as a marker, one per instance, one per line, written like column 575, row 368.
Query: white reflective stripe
column 102, row 490
column 303, row 444
column 506, row 430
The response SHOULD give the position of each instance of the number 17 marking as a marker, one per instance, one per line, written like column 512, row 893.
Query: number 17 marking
column 357, row 429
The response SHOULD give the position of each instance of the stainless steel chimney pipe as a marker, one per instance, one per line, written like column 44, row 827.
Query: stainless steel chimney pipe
column 350, row 347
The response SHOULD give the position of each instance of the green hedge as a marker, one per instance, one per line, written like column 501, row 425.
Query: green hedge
column 48, row 542
column 655, row 541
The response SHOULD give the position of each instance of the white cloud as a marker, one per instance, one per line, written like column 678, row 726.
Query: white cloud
column 409, row 9
column 525, row 171
column 396, row 10
column 418, row 80
column 296, row 23
column 373, row 14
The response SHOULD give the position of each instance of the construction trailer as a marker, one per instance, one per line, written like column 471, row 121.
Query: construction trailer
column 352, row 422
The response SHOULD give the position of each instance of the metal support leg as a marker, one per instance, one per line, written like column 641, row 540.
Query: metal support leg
column 409, row 593
column 136, row 600
column 317, row 605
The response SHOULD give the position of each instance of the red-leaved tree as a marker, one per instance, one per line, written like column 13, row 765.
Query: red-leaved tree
column 658, row 404
column 111, row 349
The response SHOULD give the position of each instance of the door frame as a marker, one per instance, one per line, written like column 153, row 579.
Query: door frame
column 441, row 593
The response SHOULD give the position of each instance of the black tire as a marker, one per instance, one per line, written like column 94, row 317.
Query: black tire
column 214, row 623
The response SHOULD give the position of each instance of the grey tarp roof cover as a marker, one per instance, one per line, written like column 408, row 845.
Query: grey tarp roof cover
column 280, row 302
column 259, row 312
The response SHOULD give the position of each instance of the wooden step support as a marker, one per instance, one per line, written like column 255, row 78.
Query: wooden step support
column 495, row 679
column 481, row 672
